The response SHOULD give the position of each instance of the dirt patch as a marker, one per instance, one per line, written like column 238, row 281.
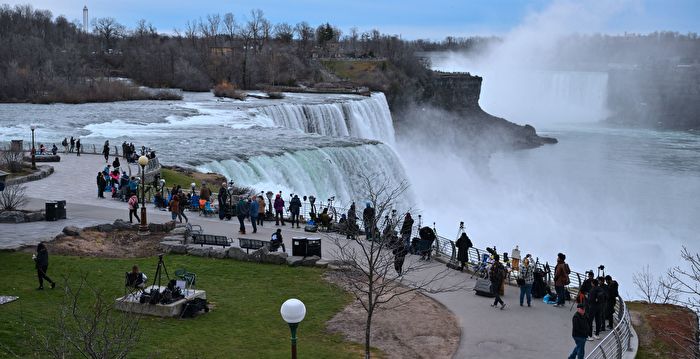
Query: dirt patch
column 415, row 326
column 665, row 330
column 116, row 244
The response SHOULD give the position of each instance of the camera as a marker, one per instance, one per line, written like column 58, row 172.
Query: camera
column 600, row 267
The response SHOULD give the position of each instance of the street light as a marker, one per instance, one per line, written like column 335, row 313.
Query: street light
column 143, row 228
column 293, row 312
column 269, row 201
column 33, row 127
column 193, row 186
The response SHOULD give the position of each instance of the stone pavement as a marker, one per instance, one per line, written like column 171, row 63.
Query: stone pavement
column 516, row 332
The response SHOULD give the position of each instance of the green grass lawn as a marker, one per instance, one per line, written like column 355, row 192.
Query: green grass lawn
column 177, row 178
column 244, row 321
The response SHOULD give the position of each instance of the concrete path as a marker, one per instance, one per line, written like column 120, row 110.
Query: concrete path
column 516, row 332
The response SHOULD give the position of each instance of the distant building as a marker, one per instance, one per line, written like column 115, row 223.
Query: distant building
column 85, row 19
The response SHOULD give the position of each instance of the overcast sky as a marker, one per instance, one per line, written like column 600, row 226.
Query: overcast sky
column 411, row 19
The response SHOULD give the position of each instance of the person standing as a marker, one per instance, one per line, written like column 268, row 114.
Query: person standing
column 41, row 259
column 352, row 222
column 253, row 209
column 527, row 269
column 294, row 208
column 223, row 201
column 133, row 204
column 596, row 305
column 406, row 230
column 561, row 278
column 101, row 185
column 77, row 146
column 279, row 210
column 463, row 244
column 261, row 210
column 72, row 144
column 183, row 205
column 105, row 151
column 116, row 165
column 64, row 143
column 496, row 276
column 399, row 250
column 243, row 212
column 612, row 295
column 579, row 332
column 368, row 220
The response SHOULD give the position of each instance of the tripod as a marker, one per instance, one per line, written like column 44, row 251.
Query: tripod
column 161, row 265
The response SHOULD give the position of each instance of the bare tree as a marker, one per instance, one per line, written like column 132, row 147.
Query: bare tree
column 88, row 330
column 685, row 280
column 12, row 159
column 375, row 269
column 109, row 30
column 284, row 33
column 13, row 197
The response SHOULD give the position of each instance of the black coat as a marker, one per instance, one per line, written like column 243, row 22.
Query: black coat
column 407, row 226
column 463, row 244
column 596, row 298
column 295, row 205
column 42, row 258
column 579, row 326
column 101, row 182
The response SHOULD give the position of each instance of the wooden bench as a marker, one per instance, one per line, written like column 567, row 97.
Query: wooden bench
column 253, row 244
column 210, row 239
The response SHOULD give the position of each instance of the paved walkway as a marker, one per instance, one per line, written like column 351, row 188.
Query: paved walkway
column 516, row 332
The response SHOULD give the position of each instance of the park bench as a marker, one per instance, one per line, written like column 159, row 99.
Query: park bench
column 254, row 244
column 192, row 229
column 210, row 239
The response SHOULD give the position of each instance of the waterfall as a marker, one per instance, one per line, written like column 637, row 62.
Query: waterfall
column 368, row 118
column 322, row 172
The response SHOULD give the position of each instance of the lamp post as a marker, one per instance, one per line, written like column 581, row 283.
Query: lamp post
column 143, row 228
column 33, row 127
column 269, row 201
column 193, row 186
column 293, row 312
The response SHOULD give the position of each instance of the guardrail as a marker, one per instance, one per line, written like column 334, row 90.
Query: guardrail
column 614, row 345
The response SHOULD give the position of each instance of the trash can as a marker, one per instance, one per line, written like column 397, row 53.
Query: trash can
column 51, row 211
column 299, row 246
column 61, row 209
column 313, row 247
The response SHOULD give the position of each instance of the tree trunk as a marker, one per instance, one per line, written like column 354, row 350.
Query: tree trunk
column 368, row 331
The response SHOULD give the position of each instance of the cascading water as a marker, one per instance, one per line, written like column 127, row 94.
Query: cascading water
column 367, row 118
column 322, row 172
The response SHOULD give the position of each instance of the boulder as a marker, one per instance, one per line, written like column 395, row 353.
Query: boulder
column 35, row 216
column 178, row 239
column 166, row 246
column 237, row 254
column 106, row 228
column 72, row 231
column 12, row 217
column 122, row 225
column 294, row 261
column 178, row 231
column 322, row 263
column 198, row 251
column 178, row 248
column 218, row 252
column 274, row 258
column 310, row 261
column 258, row 255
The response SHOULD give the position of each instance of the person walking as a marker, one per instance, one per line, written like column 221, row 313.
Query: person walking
column 561, row 278
column 133, row 204
column 496, row 276
column 77, row 146
column 243, row 211
column 105, row 151
column 101, row 185
column 183, row 205
column 526, row 278
column 612, row 294
column 406, row 230
column 279, row 210
column 579, row 331
column 261, row 210
column 253, row 209
column 294, row 208
column 596, row 305
column 463, row 244
column 72, row 144
column 399, row 250
column 41, row 259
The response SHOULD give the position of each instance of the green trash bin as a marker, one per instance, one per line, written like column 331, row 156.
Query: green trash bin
column 51, row 211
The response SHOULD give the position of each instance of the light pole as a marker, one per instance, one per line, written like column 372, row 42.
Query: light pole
column 143, row 228
column 33, row 127
column 293, row 312
column 269, row 201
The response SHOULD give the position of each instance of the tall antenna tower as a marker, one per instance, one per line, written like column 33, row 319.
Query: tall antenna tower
column 85, row 19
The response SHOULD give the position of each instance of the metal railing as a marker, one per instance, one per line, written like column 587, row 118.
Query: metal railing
column 614, row 345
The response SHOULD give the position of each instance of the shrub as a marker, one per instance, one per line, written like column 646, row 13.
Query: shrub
column 227, row 89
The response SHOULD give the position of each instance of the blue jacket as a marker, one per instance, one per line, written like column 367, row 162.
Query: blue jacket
column 254, row 208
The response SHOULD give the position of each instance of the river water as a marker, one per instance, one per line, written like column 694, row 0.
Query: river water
column 624, row 198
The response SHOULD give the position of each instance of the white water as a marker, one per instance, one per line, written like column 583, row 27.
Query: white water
column 367, row 118
column 322, row 172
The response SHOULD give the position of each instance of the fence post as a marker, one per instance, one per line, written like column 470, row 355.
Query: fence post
column 618, row 342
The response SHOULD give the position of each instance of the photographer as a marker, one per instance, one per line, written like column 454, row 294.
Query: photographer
column 41, row 259
column 136, row 279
